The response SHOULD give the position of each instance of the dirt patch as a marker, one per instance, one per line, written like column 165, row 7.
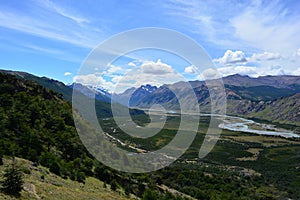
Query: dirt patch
column 254, row 151
column 30, row 188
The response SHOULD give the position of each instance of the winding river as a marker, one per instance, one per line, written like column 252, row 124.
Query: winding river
column 240, row 124
column 250, row 126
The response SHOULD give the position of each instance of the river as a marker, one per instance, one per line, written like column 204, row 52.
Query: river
column 250, row 126
column 244, row 125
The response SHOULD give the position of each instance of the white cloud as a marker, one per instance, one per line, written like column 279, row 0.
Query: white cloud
column 268, row 26
column 136, row 78
column 63, row 12
column 266, row 63
column 296, row 72
column 209, row 74
column 132, row 64
column 93, row 80
column 156, row 68
column 257, row 25
column 112, row 69
column 67, row 73
column 254, row 71
column 116, row 79
column 51, row 25
column 265, row 56
column 190, row 69
column 209, row 19
column 298, row 52
column 232, row 57
column 242, row 70
column 150, row 72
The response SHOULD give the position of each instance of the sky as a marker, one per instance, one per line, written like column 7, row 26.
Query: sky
column 53, row 38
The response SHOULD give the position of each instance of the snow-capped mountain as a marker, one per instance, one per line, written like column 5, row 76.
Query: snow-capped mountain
column 88, row 90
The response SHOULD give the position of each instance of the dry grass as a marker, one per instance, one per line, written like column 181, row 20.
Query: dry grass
column 40, row 184
column 266, row 141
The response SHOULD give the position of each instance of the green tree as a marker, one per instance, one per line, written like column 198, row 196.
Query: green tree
column 12, row 182
column 150, row 195
column 113, row 185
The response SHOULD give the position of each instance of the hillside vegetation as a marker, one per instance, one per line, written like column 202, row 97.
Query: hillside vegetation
column 40, row 183
column 37, row 125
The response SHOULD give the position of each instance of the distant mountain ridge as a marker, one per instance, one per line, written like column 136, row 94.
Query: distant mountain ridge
column 273, row 98
column 52, row 84
column 246, row 96
column 282, row 81
column 237, row 87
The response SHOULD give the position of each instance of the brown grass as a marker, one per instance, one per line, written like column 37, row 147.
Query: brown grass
column 53, row 187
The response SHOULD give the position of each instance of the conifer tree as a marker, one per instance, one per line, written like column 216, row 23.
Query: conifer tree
column 12, row 182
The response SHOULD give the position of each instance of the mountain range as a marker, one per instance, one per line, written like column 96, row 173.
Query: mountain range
column 272, row 98
column 37, row 125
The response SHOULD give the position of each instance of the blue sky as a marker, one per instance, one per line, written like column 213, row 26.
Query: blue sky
column 52, row 38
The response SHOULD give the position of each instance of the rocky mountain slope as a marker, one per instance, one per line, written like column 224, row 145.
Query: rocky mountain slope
column 133, row 96
column 283, row 110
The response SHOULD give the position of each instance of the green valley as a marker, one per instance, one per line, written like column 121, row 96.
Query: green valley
column 37, row 125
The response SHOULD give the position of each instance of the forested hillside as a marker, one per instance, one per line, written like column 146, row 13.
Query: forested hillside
column 37, row 124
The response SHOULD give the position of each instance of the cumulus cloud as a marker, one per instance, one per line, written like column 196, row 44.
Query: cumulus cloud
column 265, row 56
column 254, row 71
column 209, row 74
column 136, row 78
column 93, row 80
column 112, row 69
column 156, row 68
column 242, row 70
column 67, row 73
column 116, row 79
column 234, row 62
column 131, row 64
column 150, row 72
column 190, row 69
column 232, row 57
